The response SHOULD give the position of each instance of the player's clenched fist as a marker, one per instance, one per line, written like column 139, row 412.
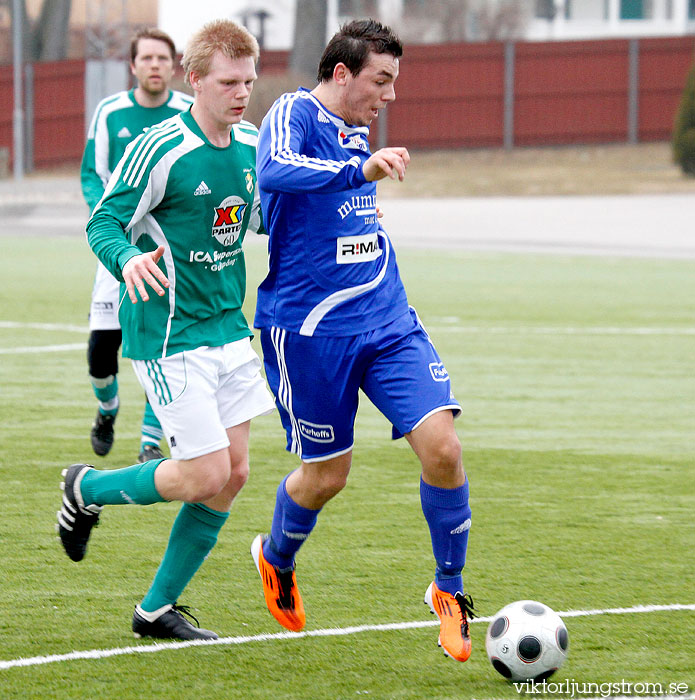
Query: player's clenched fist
column 143, row 268
column 386, row 162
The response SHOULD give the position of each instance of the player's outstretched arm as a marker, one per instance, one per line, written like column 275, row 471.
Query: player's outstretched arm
column 386, row 162
column 143, row 268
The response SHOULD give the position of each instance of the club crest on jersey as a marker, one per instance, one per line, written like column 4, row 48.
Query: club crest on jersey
column 227, row 220
column 352, row 141
column 249, row 182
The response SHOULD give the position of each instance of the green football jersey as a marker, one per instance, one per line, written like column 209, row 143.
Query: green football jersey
column 117, row 120
column 174, row 188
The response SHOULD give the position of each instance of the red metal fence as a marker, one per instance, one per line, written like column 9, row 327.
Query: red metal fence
column 59, row 120
column 569, row 93
column 455, row 95
column 664, row 65
column 449, row 96
column 463, row 95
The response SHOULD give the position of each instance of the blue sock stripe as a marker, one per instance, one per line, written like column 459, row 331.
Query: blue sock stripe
column 445, row 498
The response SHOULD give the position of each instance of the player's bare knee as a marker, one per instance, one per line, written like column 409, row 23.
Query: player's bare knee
column 204, row 491
column 332, row 486
column 239, row 474
column 451, row 451
column 444, row 455
column 206, row 479
column 324, row 484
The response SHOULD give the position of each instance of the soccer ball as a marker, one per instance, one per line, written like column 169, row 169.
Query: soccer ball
column 526, row 641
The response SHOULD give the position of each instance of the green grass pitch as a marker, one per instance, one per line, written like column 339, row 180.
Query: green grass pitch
column 578, row 390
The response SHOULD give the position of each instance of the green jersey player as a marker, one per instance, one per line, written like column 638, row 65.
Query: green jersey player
column 118, row 119
column 174, row 216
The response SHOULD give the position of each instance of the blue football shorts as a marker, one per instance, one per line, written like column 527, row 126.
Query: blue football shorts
column 316, row 381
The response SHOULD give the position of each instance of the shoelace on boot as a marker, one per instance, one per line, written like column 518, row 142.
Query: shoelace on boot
column 186, row 611
column 467, row 610
column 286, row 585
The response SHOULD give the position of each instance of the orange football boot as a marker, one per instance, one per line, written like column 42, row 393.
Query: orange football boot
column 453, row 613
column 280, row 590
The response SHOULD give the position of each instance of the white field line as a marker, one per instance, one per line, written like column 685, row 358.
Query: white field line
column 449, row 324
column 330, row 632
column 43, row 348
column 45, row 326
column 558, row 330
column 62, row 327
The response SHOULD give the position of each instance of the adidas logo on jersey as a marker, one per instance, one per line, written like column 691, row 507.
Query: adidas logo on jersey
column 202, row 189
column 323, row 118
column 124, row 133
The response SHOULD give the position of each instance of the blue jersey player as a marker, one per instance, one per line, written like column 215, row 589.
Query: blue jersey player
column 334, row 319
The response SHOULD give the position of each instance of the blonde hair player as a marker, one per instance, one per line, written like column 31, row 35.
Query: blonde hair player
column 117, row 120
column 170, row 226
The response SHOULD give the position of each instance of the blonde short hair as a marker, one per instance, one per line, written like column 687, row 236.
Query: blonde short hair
column 231, row 39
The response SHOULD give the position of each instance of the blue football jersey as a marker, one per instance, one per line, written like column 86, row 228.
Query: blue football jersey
column 332, row 268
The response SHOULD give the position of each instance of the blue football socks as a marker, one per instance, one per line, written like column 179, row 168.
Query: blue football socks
column 448, row 516
column 292, row 524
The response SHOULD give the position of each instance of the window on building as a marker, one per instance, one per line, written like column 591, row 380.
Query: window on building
column 545, row 9
column 636, row 9
column 586, row 10
column 691, row 9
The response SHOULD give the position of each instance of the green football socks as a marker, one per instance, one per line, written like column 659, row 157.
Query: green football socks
column 119, row 486
column 192, row 537
column 151, row 428
column 106, row 391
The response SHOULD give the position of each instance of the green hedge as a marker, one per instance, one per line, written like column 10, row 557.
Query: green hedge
column 684, row 130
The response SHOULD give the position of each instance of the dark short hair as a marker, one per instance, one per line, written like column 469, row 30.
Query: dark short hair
column 353, row 43
column 151, row 33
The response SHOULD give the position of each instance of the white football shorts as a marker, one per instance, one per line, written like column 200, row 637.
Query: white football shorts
column 198, row 394
column 103, row 312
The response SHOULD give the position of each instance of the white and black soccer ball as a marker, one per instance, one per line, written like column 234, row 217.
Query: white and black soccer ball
column 527, row 641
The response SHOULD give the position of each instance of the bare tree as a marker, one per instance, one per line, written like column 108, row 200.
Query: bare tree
column 463, row 20
column 45, row 38
column 51, row 30
column 501, row 21
column 309, row 36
